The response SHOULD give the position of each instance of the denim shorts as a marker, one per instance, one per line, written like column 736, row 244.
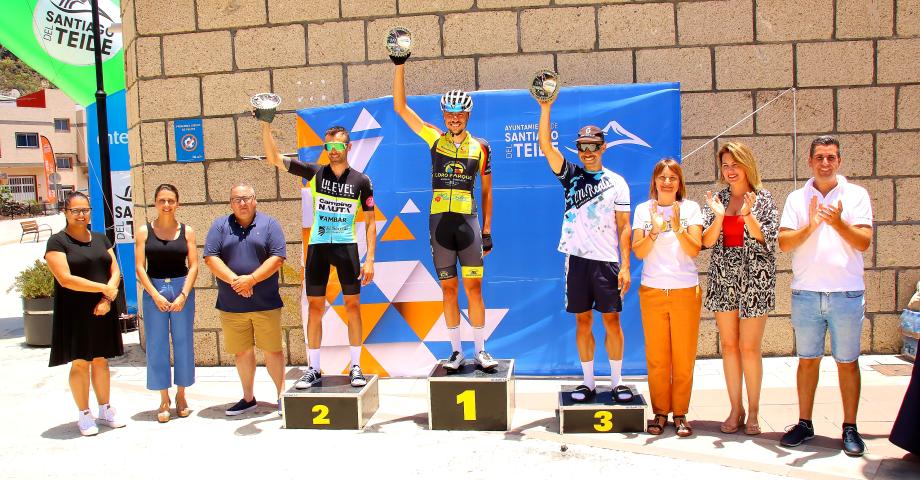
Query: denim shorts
column 814, row 313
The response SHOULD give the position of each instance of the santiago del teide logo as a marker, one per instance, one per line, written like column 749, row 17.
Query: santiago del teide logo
column 64, row 29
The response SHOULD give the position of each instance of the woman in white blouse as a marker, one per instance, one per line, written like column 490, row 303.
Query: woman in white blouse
column 667, row 233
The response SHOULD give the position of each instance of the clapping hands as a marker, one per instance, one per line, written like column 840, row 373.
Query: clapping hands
column 715, row 204
column 749, row 199
column 659, row 224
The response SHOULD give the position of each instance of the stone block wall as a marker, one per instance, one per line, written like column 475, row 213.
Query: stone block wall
column 852, row 62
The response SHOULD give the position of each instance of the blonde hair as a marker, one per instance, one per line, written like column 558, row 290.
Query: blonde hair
column 745, row 158
column 675, row 167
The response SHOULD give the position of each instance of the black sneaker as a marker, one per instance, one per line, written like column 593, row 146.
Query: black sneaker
column 242, row 407
column 853, row 444
column 356, row 377
column 310, row 377
column 796, row 434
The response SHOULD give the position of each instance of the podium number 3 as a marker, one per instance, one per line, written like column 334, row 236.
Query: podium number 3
column 322, row 413
column 467, row 398
column 604, row 423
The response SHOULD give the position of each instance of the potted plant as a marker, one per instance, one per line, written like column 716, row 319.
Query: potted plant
column 36, row 286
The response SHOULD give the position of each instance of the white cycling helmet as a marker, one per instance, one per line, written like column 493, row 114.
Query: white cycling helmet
column 456, row 101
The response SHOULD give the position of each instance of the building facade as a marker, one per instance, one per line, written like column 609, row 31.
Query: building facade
column 23, row 120
column 204, row 58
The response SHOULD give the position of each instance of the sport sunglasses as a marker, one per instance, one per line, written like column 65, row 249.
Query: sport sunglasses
column 335, row 146
column 589, row 147
column 453, row 107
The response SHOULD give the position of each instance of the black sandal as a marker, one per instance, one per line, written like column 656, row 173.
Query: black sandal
column 682, row 426
column 656, row 427
column 587, row 393
column 622, row 394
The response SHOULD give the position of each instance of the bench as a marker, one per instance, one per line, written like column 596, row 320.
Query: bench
column 31, row 227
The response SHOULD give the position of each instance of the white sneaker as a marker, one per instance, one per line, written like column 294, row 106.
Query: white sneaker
column 108, row 417
column 87, row 424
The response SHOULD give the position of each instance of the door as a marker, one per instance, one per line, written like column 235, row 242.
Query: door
column 23, row 188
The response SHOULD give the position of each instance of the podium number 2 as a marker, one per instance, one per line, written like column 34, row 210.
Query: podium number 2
column 604, row 423
column 467, row 398
column 322, row 412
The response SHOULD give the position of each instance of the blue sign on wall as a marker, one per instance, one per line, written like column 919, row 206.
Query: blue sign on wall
column 524, row 283
column 189, row 140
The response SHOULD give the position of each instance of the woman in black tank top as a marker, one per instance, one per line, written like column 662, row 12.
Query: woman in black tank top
column 166, row 262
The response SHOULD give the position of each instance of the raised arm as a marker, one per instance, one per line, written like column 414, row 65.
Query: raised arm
column 399, row 101
column 546, row 140
column 272, row 156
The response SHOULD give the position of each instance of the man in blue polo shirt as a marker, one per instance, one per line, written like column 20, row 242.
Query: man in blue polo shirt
column 244, row 251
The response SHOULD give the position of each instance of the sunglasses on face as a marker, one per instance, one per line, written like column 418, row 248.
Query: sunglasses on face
column 242, row 200
column 335, row 146
column 589, row 147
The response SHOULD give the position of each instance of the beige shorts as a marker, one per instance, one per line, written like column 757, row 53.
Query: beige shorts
column 243, row 330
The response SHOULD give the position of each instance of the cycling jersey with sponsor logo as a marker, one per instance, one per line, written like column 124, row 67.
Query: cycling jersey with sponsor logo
column 336, row 200
column 453, row 170
column 589, row 227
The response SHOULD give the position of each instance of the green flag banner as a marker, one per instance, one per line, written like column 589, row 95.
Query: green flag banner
column 55, row 38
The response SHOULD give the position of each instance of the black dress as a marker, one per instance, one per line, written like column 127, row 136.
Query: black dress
column 76, row 332
column 906, row 430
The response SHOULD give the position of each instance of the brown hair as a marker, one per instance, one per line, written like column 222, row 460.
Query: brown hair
column 74, row 195
column 823, row 140
column 672, row 164
column 168, row 187
column 333, row 131
column 745, row 157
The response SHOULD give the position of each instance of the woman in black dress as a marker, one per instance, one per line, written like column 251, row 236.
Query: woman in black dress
column 86, row 329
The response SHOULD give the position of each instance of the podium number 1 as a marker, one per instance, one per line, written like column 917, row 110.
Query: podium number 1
column 604, row 424
column 322, row 413
column 467, row 398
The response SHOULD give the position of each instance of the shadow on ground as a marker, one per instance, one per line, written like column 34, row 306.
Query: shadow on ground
column 11, row 327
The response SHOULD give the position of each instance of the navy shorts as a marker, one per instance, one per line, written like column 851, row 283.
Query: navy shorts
column 591, row 284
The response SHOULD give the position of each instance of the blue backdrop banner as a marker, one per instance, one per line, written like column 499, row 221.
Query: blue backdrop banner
column 523, row 284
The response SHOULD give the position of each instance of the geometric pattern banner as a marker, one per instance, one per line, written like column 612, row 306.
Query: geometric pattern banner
column 523, row 288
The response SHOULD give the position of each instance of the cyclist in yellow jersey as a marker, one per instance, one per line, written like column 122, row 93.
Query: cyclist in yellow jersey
column 456, row 158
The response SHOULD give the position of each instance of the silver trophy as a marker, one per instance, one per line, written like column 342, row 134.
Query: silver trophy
column 264, row 106
column 399, row 42
column 545, row 85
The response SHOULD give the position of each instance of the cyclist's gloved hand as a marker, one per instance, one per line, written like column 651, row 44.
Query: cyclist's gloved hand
column 486, row 242
column 400, row 60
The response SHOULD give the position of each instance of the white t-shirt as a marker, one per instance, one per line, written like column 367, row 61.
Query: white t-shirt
column 825, row 262
column 667, row 266
column 589, row 227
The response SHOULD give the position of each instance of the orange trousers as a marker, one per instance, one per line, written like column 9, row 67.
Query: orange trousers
column 671, row 321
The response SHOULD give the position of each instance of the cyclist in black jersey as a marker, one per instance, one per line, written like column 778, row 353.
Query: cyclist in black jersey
column 456, row 159
column 338, row 193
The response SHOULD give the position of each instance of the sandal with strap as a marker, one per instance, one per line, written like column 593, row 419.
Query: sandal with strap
column 657, row 427
column 163, row 413
column 682, row 426
column 182, row 409
column 622, row 394
column 582, row 393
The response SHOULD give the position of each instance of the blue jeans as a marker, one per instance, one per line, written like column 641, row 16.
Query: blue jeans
column 814, row 313
column 158, row 326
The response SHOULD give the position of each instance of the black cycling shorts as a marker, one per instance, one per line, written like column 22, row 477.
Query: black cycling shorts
column 343, row 256
column 591, row 284
column 453, row 237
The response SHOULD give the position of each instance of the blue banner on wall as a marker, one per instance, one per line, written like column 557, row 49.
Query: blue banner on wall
column 122, row 201
column 523, row 284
